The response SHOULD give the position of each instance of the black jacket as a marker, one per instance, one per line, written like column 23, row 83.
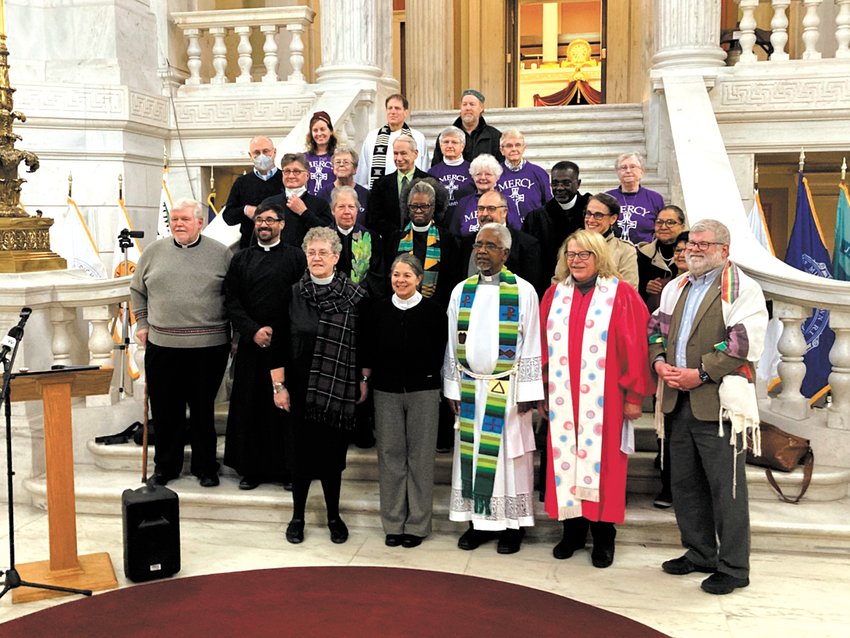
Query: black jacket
column 318, row 213
column 484, row 139
column 551, row 225
column 383, row 211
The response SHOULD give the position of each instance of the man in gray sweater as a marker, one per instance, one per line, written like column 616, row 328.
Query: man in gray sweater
column 177, row 296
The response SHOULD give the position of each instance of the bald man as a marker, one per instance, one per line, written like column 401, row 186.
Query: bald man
column 250, row 189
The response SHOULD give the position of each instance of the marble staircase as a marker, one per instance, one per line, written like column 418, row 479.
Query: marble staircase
column 821, row 523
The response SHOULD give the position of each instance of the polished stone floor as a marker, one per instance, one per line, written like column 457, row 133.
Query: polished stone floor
column 801, row 594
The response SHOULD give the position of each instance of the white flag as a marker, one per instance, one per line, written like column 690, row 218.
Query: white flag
column 74, row 242
column 164, row 215
column 133, row 253
column 768, row 365
column 758, row 225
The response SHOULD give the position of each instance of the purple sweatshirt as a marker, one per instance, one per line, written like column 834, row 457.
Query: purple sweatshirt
column 528, row 187
column 456, row 179
column 637, row 214
column 321, row 172
column 464, row 219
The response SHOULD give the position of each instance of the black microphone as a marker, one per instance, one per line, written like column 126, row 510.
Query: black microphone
column 15, row 334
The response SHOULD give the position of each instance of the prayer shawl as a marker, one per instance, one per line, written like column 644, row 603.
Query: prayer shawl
column 742, row 306
column 332, row 388
column 432, row 257
column 577, row 447
column 379, row 154
column 481, row 489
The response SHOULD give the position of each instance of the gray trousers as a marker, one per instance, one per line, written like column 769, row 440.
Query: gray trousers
column 715, row 526
column 406, row 432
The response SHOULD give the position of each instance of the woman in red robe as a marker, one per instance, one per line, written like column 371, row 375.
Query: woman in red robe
column 593, row 329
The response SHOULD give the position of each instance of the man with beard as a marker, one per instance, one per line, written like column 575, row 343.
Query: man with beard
column 560, row 217
column 257, row 290
column 480, row 136
column 704, row 341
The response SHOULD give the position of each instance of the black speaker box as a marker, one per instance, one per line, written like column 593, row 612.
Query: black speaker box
column 151, row 516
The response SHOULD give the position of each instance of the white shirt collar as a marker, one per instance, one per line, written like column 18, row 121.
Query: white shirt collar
column 299, row 192
column 406, row 304
column 421, row 229
column 321, row 281
column 456, row 162
column 570, row 204
column 268, row 175
column 268, row 247
column 345, row 232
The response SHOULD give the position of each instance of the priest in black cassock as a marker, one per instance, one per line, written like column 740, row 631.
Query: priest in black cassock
column 257, row 290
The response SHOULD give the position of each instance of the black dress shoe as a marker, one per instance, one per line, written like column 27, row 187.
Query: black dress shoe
column 603, row 535
column 287, row 485
column 473, row 538
column 720, row 583
column 393, row 540
column 409, row 541
column 684, row 565
column 158, row 479
column 510, row 541
column 295, row 531
column 249, row 483
column 209, row 480
column 339, row 532
column 574, row 538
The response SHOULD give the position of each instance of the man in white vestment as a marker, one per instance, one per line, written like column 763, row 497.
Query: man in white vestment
column 492, row 377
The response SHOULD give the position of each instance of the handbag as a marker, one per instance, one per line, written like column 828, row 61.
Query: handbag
column 783, row 452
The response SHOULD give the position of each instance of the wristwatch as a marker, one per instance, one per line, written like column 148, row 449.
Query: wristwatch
column 364, row 379
column 703, row 375
column 278, row 387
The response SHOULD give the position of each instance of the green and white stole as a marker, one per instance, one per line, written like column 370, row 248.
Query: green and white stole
column 481, row 489
column 577, row 447
column 361, row 255
column 432, row 256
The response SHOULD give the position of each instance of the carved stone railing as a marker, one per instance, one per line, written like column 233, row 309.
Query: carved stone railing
column 243, row 22
column 810, row 24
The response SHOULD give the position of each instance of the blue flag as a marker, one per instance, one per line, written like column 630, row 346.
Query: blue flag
column 841, row 252
column 807, row 252
column 211, row 210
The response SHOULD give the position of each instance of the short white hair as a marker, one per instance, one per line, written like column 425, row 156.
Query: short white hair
column 501, row 230
column 185, row 202
column 404, row 137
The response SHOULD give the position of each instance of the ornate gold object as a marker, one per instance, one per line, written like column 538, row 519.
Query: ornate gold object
column 24, row 239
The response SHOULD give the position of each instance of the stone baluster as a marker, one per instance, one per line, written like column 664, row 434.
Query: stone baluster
column 270, row 59
column 62, row 342
column 244, row 50
column 842, row 29
column 792, row 369
column 779, row 30
column 101, row 348
column 219, row 51
column 838, row 414
column 747, row 27
column 296, row 53
column 193, row 52
column 811, row 24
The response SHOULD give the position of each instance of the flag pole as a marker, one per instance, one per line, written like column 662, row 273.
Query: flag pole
column 70, row 184
column 756, row 177
column 843, row 170
column 120, row 187
column 802, row 159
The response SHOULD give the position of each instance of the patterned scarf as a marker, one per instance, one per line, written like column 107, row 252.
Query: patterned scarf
column 579, row 450
column 481, row 490
column 332, row 383
column 379, row 153
column 432, row 256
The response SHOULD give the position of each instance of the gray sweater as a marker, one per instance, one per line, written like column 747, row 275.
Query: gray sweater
column 178, row 294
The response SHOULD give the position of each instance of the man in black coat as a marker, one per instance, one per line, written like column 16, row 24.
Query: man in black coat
column 480, row 136
column 559, row 218
column 301, row 211
column 524, row 259
column 384, row 212
column 252, row 188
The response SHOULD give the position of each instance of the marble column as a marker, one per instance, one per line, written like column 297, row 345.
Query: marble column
column 350, row 36
column 687, row 33
column 429, row 54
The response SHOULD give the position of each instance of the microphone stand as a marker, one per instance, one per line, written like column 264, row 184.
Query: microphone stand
column 13, row 578
column 124, row 242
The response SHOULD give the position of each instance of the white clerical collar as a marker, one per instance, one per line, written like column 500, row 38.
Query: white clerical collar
column 421, row 229
column 517, row 168
column 407, row 304
column 189, row 245
column 344, row 231
column 569, row 204
column 268, row 175
column 454, row 162
column 489, row 279
column 298, row 192
column 321, row 281
column 268, row 247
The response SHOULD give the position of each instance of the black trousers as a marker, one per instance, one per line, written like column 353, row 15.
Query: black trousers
column 180, row 377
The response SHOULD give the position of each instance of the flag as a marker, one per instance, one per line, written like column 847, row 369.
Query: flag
column 768, row 364
column 74, row 242
column 162, row 227
column 758, row 224
column 841, row 252
column 807, row 252
column 134, row 252
column 211, row 210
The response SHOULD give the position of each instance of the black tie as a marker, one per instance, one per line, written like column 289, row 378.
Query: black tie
column 402, row 207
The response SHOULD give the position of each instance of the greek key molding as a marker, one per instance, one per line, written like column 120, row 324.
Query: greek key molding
column 786, row 94
column 246, row 113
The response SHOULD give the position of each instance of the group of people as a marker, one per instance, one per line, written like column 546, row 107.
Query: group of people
column 443, row 305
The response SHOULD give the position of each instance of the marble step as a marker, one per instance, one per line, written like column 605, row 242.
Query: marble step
column 808, row 527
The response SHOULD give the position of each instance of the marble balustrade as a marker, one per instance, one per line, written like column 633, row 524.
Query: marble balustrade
column 271, row 22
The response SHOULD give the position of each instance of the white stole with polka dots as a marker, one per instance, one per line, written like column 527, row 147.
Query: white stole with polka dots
column 577, row 448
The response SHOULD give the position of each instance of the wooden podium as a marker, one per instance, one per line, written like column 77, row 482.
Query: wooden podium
column 65, row 568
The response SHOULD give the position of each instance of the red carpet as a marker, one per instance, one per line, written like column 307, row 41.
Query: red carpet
column 326, row 601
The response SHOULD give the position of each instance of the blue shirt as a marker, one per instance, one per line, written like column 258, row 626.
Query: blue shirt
column 699, row 286
column 268, row 175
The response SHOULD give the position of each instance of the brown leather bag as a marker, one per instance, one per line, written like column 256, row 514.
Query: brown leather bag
column 783, row 452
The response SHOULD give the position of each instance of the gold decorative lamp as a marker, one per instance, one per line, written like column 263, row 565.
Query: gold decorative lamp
column 24, row 239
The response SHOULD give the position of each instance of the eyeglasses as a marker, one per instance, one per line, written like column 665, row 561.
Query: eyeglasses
column 266, row 221
column 596, row 216
column 582, row 255
column 419, row 207
column 679, row 251
column 628, row 167
column 488, row 209
column 323, row 254
column 486, row 245
column 342, row 162
column 703, row 245
column 667, row 222
column 293, row 171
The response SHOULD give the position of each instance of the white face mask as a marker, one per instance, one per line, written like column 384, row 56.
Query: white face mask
column 263, row 163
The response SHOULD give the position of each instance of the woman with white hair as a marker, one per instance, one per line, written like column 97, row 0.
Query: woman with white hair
column 485, row 171
column 525, row 183
column 638, row 205
column 453, row 171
